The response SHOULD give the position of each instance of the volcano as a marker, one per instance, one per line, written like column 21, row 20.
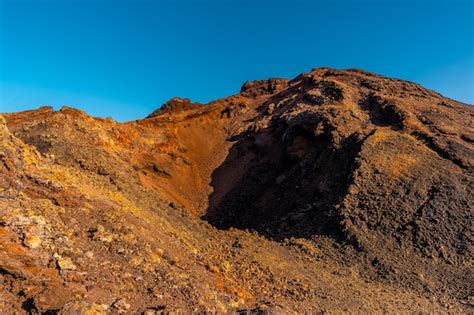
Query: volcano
column 338, row 190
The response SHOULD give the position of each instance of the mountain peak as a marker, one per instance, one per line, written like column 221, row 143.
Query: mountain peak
column 175, row 104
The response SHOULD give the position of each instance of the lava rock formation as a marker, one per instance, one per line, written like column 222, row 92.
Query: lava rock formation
column 339, row 190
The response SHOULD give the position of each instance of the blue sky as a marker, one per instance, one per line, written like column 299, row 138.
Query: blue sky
column 125, row 58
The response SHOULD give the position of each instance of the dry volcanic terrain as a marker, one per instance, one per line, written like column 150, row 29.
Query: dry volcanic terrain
column 337, row 191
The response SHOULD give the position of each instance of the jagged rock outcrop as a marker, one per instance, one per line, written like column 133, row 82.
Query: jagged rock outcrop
column 263, row 87
column 175, row 104
column 293, row 195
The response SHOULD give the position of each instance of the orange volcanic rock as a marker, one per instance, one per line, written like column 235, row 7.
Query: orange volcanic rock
column 339, row 190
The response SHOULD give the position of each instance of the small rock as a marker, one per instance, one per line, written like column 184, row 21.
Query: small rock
column 121, row 305
column 212, row 268
column 106, row 238
column 99, row 233
column 32, row 241
column 121, row 250
column 82, row 308
column 65, row 263
column 89, row 254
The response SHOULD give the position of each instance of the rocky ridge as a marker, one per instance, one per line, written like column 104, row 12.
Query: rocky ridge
column 294, row 195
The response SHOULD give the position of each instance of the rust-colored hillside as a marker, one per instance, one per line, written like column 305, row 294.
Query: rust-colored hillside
column 337, row 191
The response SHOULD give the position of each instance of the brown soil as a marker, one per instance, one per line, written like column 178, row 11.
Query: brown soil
column 337, row 191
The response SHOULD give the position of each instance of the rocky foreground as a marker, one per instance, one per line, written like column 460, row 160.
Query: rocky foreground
column 339, row 190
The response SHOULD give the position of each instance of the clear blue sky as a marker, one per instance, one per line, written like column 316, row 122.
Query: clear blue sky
column 125, row 58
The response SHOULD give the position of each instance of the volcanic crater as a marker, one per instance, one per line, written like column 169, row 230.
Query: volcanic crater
column 337, row 190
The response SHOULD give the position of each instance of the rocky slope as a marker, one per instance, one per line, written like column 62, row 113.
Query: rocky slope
column 339, row 190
